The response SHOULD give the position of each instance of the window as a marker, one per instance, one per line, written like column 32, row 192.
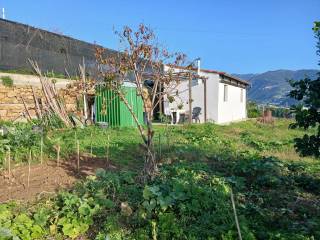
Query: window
column 225, row 93
column 241, row 95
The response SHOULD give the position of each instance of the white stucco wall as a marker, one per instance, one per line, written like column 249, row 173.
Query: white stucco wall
column 212, row 96
column 218, row 110
column 233, row 109
column 183, row 97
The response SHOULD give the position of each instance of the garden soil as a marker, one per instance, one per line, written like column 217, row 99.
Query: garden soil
column 46, row 179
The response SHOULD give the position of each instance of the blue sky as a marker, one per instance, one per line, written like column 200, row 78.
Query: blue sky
column 237, row 36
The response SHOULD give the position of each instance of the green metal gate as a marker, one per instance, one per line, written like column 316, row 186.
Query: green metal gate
column 110, row 109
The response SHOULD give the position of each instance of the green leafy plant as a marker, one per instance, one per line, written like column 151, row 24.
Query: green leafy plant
column 253, row 110
column 7, row 81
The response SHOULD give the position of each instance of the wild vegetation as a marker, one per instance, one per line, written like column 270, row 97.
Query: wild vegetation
column 307, row 112
column 276, row 191
column 7, row 81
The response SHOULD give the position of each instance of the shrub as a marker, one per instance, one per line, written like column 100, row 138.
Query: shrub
column 253, row 110
column 7, row 81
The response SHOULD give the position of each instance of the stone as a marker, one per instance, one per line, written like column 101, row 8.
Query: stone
column 3, row 113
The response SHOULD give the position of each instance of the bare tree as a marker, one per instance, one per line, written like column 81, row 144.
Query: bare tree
column 140, row 61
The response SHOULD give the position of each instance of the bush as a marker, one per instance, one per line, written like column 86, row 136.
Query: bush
column 253, row 110
column 7, row 81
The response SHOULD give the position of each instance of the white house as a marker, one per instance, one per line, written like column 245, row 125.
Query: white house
column 225, row 99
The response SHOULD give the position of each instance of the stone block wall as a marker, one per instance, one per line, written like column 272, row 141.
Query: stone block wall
column 12, row 107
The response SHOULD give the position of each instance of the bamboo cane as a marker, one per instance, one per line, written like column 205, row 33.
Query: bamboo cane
column 41, row 150
column 36, row 103
column 75, row 138
column 26, row 108
column 29, row 167
column 51, row 95
column 9, row 162
column 160, row 150
column 108, row 145
column 91, row 145
column 78, row 155
column 58, row 155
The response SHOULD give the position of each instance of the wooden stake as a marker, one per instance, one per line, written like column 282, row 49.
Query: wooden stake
column 108, row 144
column 29, row 167
column 160, row 153
column 78, row 153
column 91, row 145
column 75, row 138
column 41, row 150
column 9, row 162
column 58, row 155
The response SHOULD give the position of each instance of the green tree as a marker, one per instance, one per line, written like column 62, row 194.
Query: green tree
column 307, row 112
column 253, row 110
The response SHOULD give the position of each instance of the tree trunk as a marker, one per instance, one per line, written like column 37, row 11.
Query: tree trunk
column 150, row 167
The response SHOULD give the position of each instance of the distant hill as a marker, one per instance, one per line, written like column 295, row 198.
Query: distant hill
column 272, row 87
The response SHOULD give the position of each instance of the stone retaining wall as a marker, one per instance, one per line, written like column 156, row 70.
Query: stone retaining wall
column 12, row 107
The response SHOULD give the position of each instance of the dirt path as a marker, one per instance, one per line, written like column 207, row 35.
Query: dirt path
column 46, row 179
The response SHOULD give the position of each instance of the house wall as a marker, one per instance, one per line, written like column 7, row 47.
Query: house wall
column 197, row 97
column 218, row 111
column 183, row 96
column 212, row 93
column 232, row 109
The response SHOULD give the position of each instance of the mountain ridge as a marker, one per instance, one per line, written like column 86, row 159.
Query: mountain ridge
column 272, row 87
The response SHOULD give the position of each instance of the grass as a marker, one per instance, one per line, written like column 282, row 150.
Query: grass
column 277, row 191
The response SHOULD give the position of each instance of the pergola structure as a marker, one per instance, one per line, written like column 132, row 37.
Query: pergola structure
column 188, row 74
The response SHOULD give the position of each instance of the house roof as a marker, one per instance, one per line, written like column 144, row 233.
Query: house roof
column 223, row 74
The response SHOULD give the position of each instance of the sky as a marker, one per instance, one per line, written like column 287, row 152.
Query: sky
column 236, row 36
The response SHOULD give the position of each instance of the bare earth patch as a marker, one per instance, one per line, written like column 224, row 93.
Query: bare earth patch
column 46, row 179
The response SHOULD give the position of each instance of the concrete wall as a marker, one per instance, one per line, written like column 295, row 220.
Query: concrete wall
column 33, row 80
column 53, row 52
